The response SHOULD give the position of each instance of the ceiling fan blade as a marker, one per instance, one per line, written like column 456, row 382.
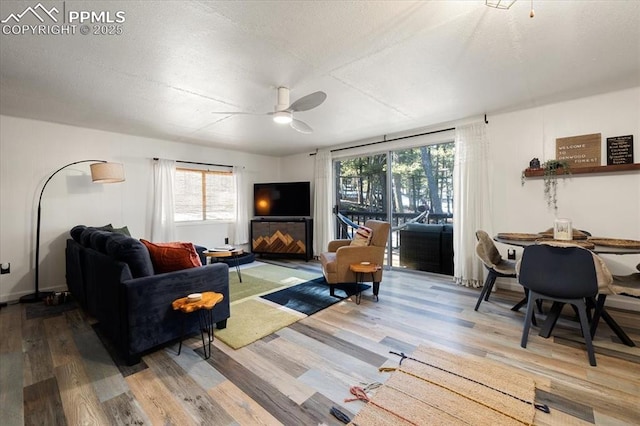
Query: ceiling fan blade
column 237, row 113
column 308, row 102
column 301, row 126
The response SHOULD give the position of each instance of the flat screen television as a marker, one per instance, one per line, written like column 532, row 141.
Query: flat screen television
column 286, row 199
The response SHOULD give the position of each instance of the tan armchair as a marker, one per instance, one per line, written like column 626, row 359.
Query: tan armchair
column 340, row 254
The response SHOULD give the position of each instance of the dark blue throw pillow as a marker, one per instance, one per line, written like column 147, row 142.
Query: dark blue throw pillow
column 132, row 252
column 76, row 232
column 98, row 240
column 85, row 235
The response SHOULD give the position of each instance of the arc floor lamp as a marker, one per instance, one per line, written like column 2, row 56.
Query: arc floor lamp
column 101, row 172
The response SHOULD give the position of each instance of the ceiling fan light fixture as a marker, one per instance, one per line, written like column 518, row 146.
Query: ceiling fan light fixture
column 282, row 117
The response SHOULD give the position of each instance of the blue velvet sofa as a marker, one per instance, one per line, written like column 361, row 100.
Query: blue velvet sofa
column 427, row 247
column 112, row 277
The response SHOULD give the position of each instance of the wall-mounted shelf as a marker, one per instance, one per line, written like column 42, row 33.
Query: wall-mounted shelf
column 583, row 170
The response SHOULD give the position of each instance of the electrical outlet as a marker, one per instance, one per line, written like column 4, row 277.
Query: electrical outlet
column 5, row 268
column 226, row 240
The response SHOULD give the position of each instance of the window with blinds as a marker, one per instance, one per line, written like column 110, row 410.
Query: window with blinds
column 204, row 195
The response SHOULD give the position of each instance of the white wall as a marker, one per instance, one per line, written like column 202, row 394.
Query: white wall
column 30, row 151
column 607, row 205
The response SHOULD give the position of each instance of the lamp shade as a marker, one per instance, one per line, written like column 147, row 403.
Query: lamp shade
column 107, row 172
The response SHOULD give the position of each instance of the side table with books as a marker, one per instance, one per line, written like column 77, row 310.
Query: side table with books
column 228, row 251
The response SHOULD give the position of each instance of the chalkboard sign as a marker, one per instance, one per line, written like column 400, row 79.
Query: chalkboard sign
column 620, row 150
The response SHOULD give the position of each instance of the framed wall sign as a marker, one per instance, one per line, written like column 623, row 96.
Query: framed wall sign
column 579, row 151
column 620, row 150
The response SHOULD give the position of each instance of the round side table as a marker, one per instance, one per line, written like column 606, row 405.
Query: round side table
column 204, row 308
column 360, row 269
column 227, row 253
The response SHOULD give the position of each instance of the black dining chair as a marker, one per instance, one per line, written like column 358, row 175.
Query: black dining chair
column 565, row 275
column 487, row 252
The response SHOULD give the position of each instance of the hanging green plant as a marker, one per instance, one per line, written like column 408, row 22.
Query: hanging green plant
column 551, row 169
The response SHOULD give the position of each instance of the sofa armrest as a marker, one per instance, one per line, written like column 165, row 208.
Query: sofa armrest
column 151, row 321
column 336, row 244
column 75, row 279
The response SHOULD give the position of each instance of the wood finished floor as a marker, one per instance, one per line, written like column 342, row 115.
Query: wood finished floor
column 55, row 370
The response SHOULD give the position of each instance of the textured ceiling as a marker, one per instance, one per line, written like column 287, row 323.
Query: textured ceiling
column 386, row 66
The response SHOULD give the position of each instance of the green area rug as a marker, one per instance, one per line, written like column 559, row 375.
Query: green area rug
column 253, row 317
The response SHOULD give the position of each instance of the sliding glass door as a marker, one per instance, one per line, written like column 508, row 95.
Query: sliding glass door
column 361, row 192
column 419, row 181
column 422, row 195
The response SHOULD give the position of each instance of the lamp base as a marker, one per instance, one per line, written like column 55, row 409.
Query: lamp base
column 34, row 297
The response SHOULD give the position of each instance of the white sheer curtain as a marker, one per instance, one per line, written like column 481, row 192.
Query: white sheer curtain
column 240, row 229
column 471, row 205
column 322, row 218
column 162, row 217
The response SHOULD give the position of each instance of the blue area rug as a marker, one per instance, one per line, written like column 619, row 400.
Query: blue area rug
column 313, row 296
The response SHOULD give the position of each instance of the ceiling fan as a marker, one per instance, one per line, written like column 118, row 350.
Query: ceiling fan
column 283, row 111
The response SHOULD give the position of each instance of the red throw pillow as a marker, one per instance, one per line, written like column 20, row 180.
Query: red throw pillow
column 169, row 257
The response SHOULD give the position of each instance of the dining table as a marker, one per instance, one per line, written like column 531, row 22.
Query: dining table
column 597, row 248
column 597, row 245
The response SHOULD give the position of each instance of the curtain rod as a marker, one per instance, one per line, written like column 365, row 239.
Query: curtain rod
column 394, row 139
column 390, row 140
column 200, row 164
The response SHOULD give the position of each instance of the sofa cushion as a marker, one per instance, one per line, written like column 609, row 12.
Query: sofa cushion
column 124, row 231
column 174, row 256
column 362, row 237
column 98, row 240
column 76, row 232
column 132, row 252
column 85, row 236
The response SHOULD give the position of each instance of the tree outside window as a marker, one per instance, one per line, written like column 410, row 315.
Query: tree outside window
column 421, row 179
